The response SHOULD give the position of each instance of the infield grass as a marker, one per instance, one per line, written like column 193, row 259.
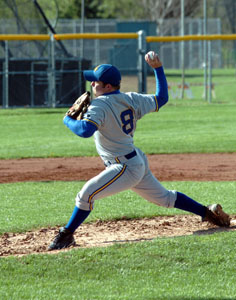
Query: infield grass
column 190, row 267
column 30, row 205
column 175, row 129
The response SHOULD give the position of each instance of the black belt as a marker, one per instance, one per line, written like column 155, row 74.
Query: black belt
column 119, row 160
column 130, row 155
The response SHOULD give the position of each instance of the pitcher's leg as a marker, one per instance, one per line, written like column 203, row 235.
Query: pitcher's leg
column 152, row 190
column 106, row 183
column 114, row 179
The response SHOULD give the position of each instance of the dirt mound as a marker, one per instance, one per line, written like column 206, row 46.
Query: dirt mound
column 102, row 234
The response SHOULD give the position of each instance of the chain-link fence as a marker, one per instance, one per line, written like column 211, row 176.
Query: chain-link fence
column 116, row 51
column 32, row 72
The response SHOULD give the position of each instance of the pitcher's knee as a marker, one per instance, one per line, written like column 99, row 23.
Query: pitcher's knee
column 166, row 199
column 171, row 198
column 84, row 203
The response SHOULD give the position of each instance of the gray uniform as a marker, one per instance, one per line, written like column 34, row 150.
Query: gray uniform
column 115, row 116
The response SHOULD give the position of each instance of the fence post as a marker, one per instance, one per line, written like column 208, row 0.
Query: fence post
column 96, row 45
column 5, row 93
column 205, row 47
column 209, row 72
column 142, row 67
column 52, row 74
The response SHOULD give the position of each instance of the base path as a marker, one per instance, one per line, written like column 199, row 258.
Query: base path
column 166, row 167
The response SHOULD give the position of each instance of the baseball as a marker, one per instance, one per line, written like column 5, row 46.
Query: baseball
column 151, row 55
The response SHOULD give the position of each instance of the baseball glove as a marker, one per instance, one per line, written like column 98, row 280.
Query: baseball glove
column 79, row 108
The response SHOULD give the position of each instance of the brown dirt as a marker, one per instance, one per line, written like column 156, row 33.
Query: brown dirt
column 197, row 167
column 166, row 167
column 103, row 234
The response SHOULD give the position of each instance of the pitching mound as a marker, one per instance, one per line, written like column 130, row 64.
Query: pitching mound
column 102, row 234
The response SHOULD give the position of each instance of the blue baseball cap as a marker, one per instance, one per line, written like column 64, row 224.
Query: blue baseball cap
column 105, row 73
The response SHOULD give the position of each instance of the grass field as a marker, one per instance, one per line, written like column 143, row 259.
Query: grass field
column 189, row 267
column 167, row 269
column 175, row 129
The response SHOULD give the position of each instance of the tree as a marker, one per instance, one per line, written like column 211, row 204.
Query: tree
column 163, row 9
column 73, row 9
column 130, row 9
column 23, row 11
column 158, row 10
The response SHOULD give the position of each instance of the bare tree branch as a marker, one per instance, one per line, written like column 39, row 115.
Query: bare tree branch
column 13, row 6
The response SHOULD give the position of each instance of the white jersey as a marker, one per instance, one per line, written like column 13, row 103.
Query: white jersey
column 115, row 116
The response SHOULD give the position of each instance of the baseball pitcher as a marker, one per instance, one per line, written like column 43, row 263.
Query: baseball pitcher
column 111, row 117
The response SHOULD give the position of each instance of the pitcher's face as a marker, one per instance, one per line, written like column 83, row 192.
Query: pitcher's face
column 100, row 88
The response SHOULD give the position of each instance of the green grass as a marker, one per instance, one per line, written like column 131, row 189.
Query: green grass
column 39, row 204
column 181, row 268
column 39, row 133
column 186, row 129
column 224, row 81
column 175, row 129
column 191, row 267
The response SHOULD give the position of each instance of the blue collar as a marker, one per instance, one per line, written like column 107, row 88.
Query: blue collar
column 114, row 92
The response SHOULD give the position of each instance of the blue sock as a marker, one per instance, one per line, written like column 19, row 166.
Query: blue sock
column 78, row 216
column 185, row 203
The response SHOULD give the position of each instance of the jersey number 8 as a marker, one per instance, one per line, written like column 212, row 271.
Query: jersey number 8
column 127, row 118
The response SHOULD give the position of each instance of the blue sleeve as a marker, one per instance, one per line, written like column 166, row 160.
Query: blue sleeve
column 161, row 87
column 81, row 128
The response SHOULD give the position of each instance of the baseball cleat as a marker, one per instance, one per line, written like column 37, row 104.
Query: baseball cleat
column 63, row 239
column 215, row 215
